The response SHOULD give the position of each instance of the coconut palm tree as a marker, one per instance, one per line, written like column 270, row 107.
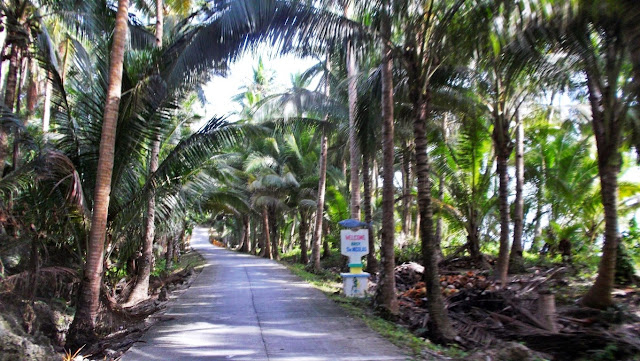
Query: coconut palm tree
column 148, row 96
column 589, row 35
column 386, row 291
column 87, row 308
column 141, row 288
column 424, row 49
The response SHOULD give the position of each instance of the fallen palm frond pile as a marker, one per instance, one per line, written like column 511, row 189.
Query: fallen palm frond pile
column 485, row 314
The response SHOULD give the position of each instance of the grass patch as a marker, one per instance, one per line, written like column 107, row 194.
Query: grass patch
column 326, row 282
column 189, row 259
column 331, row 284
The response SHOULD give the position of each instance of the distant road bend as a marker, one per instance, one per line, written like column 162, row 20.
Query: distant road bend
column 246, row 308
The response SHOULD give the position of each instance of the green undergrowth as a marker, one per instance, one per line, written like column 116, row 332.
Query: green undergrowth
column 331, row 284
column 189, row 259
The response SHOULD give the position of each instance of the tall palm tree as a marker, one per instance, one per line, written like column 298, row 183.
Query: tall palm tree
column 594, row 40
column 386, row 291
column 354, row 150
column 141, row 288
column 503, row 86
column 515, row 257
column 423, row 50
column 83, row 324
column 369, row 124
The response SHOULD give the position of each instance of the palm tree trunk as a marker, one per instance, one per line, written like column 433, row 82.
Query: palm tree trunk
column 302, row 229
column 275, row 233
column 474, row 242
column 376, row 175
column 168, row 255
column 386, row 292
column 439, row 324
column 326, row 247
column 9, row 99
column 12, row 77
column 266, row 252
column 159, row 22
column 16, row 133
column 502, row 267
column 254, row 237
column 316, row 239
column 140, row 291
column 515, row 259
column 32, row 88
column 599, row 295
column 354, row 149
column 608, row 135
column 246, row 234
column 82, row 330
column 438, row 234
column 406, row 189
column 372, row 262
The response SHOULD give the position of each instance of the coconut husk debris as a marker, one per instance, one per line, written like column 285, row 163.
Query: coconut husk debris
column 485, row 314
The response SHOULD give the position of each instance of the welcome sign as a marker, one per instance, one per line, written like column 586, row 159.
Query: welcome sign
column 354, row 244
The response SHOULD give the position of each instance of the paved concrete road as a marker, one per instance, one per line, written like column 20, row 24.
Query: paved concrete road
column 247, row 308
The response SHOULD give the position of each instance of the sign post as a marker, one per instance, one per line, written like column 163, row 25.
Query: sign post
column 354, row 243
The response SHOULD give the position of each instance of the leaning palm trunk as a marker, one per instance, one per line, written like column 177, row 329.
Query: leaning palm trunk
column 82, row 329
column 386, row 292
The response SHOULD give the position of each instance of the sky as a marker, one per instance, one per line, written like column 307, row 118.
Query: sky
column 220, row 90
